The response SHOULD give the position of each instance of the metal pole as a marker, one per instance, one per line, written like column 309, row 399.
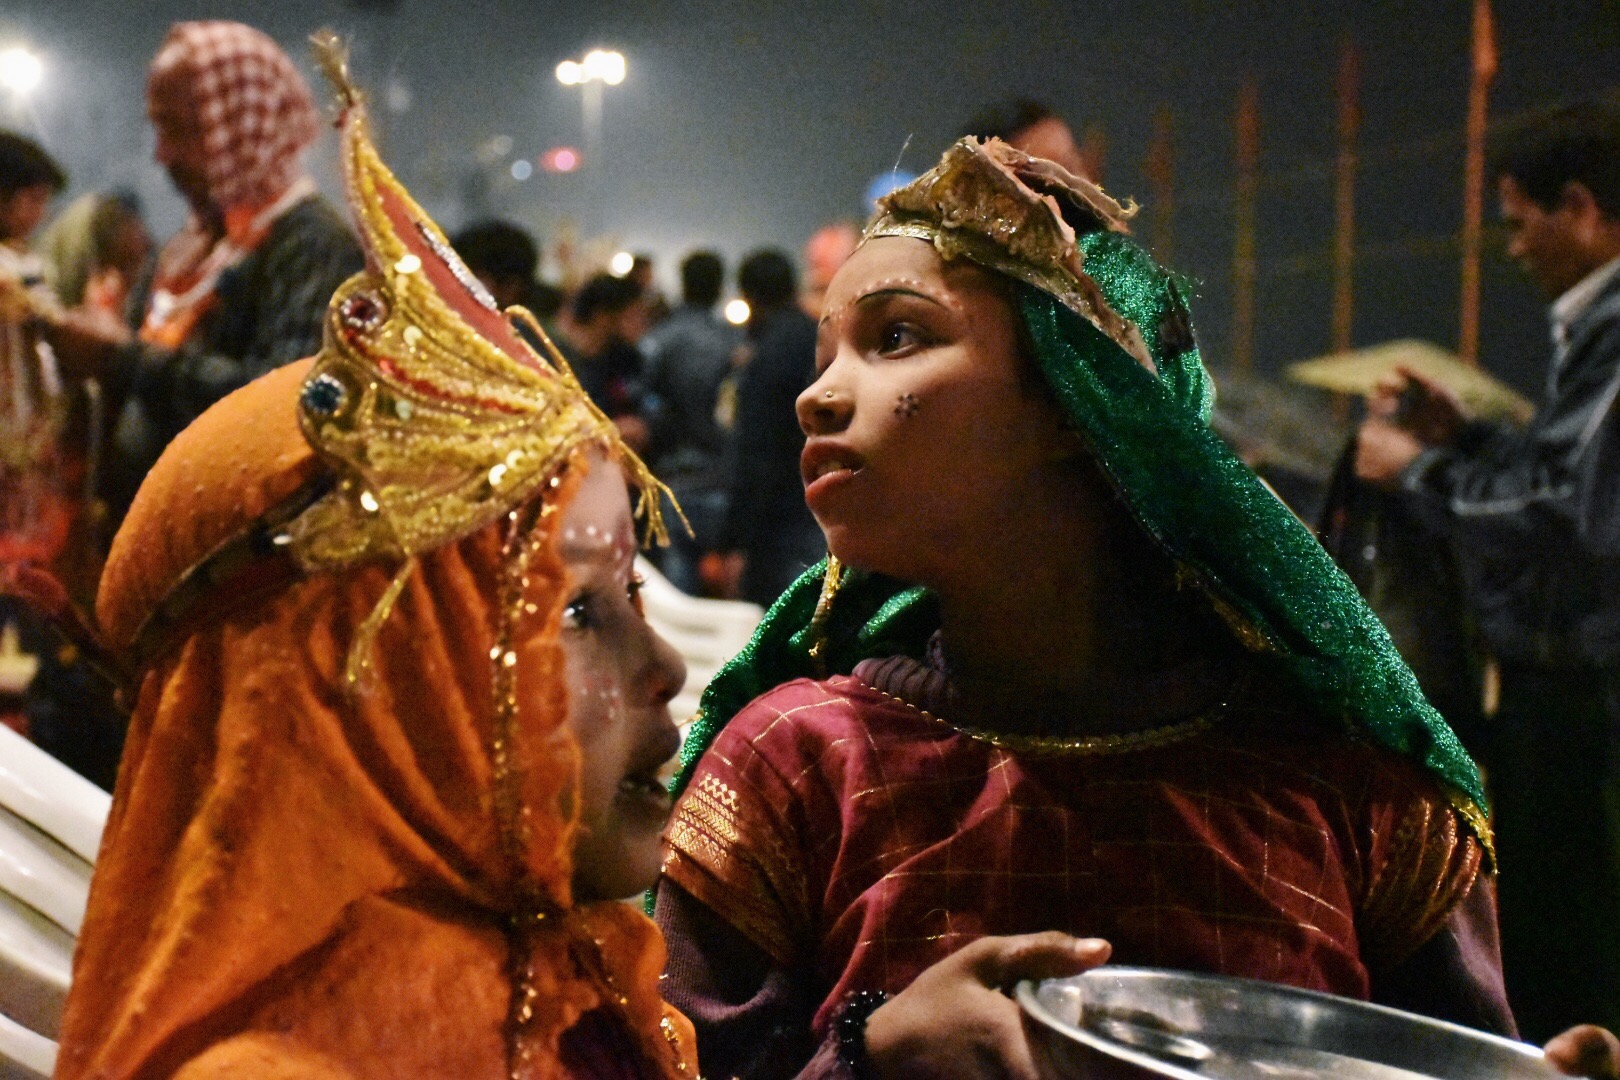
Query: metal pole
column 1474, row 184
column 591, row 96
column 1243, row 250
column 1160, row 169
column 1344, row 197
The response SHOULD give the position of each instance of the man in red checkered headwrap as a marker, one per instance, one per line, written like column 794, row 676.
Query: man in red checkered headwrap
column 243, row 287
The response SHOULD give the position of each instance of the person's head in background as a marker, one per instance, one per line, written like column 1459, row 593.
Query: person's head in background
column 702, row 275
column 768, row 282
column 97, row 249
column 826, row 250
column 1558, row 177
column 642, row 271
column 606, row 311
column 119, row 233
column 29, row 178
column 232, row 115
column 644, row 274
column 501, row 255
column 1031, row 126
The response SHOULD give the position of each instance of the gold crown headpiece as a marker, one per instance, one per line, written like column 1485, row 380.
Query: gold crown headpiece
column 1003, row 209
column 433, row 412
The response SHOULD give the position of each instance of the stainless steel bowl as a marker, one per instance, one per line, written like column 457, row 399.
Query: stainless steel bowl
column 1124, row 1021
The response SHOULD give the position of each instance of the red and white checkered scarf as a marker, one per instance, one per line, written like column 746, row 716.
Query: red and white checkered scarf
column 249, row 106
column 249, row 114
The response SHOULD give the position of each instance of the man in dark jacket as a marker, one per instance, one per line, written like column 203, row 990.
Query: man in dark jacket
column 244, row 286
column 689, row 357
column 1534, row 518
column 768, row 523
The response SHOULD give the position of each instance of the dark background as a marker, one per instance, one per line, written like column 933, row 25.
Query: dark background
column 746, row 123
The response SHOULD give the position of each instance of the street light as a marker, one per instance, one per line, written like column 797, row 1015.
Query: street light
column 20, row 70
column 599, row 67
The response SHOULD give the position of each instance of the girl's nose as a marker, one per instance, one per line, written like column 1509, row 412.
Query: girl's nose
column 823, row 408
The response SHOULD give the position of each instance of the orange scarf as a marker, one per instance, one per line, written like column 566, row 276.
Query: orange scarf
column 190, row 265
column 296, row 882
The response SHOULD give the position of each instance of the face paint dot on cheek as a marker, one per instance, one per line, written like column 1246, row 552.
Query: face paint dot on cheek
column 905, row 407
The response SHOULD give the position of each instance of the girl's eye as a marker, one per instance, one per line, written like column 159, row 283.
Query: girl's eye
column 577, row 615
column 898, row 338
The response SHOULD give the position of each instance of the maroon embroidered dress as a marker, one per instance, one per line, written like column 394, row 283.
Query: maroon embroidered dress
column 1288, row 808
column 843, row 836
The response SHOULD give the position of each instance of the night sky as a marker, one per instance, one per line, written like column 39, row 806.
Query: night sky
column 745, row 124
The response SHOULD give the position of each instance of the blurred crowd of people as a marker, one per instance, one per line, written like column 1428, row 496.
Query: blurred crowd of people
column 112, row 346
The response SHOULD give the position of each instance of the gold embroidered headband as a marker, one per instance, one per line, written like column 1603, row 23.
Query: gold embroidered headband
column 433, row 413
column 1000, row 208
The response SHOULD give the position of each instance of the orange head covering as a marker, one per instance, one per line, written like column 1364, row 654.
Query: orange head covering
column 302, row 878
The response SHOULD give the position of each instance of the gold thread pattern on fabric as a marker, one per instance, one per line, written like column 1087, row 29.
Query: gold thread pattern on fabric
column 752, row 881
column 1085, row 745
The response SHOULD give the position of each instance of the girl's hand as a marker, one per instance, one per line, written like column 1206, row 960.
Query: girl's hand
column 954, row 1020
column 1587, row 1051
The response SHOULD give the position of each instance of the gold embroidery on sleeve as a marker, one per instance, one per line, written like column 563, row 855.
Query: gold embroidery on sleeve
column 747, row 875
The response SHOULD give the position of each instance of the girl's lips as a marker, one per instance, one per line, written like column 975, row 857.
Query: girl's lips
column 817, row 489
column 642, row 785
column 645, row 793
column 821, row 459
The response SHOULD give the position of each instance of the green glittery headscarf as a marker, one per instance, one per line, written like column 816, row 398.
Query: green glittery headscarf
column 1114, row 341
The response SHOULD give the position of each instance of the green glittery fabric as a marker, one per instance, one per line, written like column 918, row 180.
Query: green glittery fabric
column 1267, row 574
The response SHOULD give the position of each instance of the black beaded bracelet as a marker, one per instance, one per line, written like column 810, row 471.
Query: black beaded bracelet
column 858, row 1007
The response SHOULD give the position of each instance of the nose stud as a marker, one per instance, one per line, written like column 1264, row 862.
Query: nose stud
column 828, row 395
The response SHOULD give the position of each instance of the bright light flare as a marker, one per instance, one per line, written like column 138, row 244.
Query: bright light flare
column 605, row 64
column 560, row 159
column 20, row 70
column 621, row 264
column 600, row 65
column 737, row 312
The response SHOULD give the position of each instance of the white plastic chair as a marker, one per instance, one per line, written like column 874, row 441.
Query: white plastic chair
column 50, row 829
column 705, row 632
column 24, row 1054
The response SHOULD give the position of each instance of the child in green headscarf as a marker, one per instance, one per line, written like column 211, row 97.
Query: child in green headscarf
column 1069, row 666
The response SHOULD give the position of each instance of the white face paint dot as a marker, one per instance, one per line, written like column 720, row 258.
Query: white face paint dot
column 408, row 264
